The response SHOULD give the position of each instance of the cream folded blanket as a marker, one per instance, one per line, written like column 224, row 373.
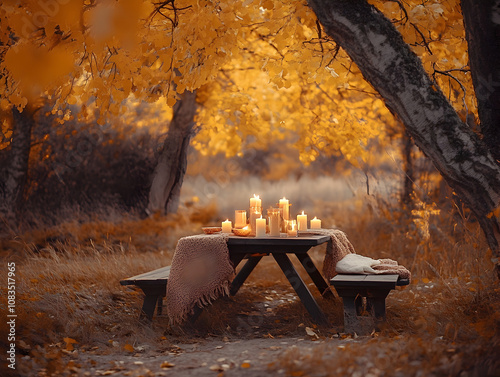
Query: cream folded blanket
column 201, row 272
column 358, row 264
column 341, row 257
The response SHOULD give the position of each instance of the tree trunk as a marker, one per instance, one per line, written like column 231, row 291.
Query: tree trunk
column 172, row 163
column 389, row 65
column 482, row 30
column 409, row 178
column 15, row 174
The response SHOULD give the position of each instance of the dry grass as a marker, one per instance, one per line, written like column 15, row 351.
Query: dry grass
column 446, row 323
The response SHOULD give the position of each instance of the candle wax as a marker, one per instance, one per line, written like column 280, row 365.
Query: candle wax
column 315, row 223
column 302, row 221
column 227, row 226
column 260, row 227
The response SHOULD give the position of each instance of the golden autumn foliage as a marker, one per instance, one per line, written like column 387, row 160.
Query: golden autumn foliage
column 262, row 67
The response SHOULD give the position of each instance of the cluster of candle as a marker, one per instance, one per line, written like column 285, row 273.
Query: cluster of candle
column 279, row 220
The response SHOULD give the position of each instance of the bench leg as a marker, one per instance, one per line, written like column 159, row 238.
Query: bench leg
column 148, row 307
column 359, row 304
column 377, row 308
column 153, row 297
column 353, row 308
column 159, row 305
column 351, row 322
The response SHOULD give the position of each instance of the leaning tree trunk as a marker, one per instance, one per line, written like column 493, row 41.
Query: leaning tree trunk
column 482, row 29
column 390, row 66
column 409, row 177
column 172, row 163
column 15, row 174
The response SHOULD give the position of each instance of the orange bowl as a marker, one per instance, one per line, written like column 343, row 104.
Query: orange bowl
column 211, row 229
column 241, row 232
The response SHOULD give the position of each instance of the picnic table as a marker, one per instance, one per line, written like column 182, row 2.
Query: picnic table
column 252, row 249
column 249, row 251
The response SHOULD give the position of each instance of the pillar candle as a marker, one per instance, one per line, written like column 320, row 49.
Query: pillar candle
column 255, row 201
column 227, row 226
column 240, row 218
column 254, row 215
column 291, row 228
column 274, row 222
column 284, row 203
column 302, row 221
column 260, row 225
column 315, row 223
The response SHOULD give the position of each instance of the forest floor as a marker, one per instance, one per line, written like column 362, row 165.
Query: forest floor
column 75, row 319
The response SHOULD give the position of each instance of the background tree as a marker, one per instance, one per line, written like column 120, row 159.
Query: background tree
column 14, row 174
column 172, row 163
column 397, row 74
column 482, row 26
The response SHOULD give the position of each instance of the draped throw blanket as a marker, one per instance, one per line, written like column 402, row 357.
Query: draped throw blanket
column 201, row 272
column 341, row 257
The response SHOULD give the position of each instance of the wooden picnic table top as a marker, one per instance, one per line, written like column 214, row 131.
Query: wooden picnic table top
column 304, row 240
column 274, row 245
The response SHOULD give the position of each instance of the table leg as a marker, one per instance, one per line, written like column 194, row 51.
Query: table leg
column 315, row 275
column 243, row 274
column 301, row 289
column 236, row 259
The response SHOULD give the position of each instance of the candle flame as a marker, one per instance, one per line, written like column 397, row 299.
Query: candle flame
column 256, row 196
column 260, row 217
column 283, row 198
column 315, row 218
column 246, row 227
column 302, row 212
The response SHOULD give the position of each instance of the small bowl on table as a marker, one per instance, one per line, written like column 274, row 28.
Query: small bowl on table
column 241, row 232
column 211, row 229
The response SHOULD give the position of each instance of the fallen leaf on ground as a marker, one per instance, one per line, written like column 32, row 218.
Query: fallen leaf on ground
column 128, row 347
column 311, row 333
column 166, row 365
column 216, row 368
column 69, row 344
column 245, row 365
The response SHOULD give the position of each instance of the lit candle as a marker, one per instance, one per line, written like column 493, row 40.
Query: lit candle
column 260, row 225
column 302, row 221
column 227, row 226
column 285, row 205
column 291, row 228
column 240, row 218
column 315, row 223
column 254, row 215
column 255, row 201
column 274, row 221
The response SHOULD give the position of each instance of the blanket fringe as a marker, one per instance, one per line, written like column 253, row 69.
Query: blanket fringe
column 201, row 302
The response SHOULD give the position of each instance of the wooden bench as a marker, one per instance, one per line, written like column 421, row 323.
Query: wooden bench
column 364, row 299
column 154, row 286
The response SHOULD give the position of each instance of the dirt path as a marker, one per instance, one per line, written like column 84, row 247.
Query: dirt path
column 211, row 357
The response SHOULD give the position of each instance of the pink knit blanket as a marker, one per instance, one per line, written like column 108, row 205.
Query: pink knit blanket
column 201, row 272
